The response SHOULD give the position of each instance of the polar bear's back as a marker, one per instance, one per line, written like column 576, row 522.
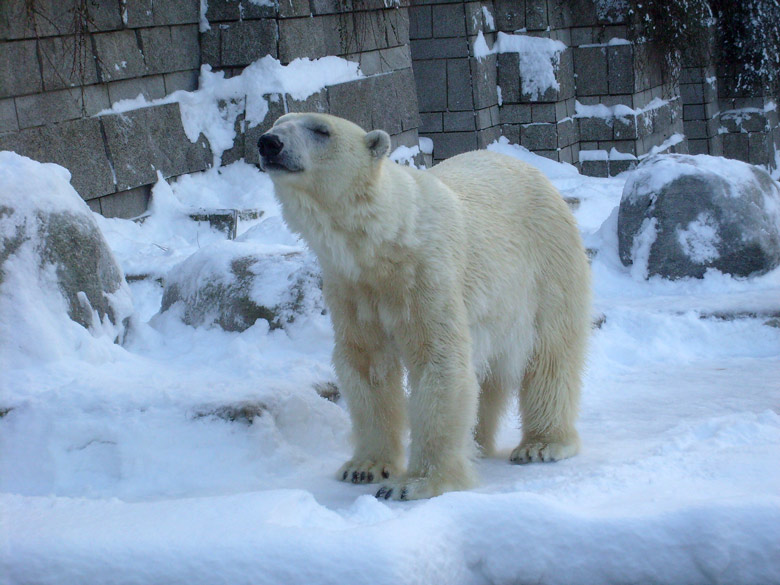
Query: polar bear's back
column 523, row 248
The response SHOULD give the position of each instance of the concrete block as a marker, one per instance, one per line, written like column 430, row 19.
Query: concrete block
column 105, row 15
column 568, row 133
column 515, row 113
column 595, row 168
column 543, row 113
column 760, row 148
column 151, row 88
column 488, row 136
column 294, row 8
column 509, row 15
column 439, row 48
column 564, row 73
column 620, row 166
column 181, row 80
column 431, row 81
column 95, row 99
column 590, row 67
column 449, row 20
column 391, row 105
column 76, row 145
column 406, row 98
column 51, row 18
column 451, row 143
column 539, row 136
column 14, row 23
column 511, row 132
column 621, row 68
column 696, row 129
column 459, row 94
column 41, row 109
column 431, row 122
column 118, row 55
column 352, row 101
column 625, row 128
column 126, row 204
column 459, row 121
column 306, row 37
column 211, row 47
column 246, row 41
column 420, row 22
column 394, row 58
column 67, row 62
column 140, row 13
column 581, row 36
column 19, row 69
column 176, row 12
column 143, row 141
column 157, row 43
column 508, row 77
column 317, row 102
column 592, row 129
column 484, row 119
column 536, row 15
column 8, row 120
column 223, row 10
column 698, row 146
column 484, row 76
column 368, row 61
column 693, row 112
column 692, row 93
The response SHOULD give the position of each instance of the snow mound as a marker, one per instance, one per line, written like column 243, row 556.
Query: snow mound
column 61, row 290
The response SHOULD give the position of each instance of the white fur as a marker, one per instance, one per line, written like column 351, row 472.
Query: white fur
column 471, row 275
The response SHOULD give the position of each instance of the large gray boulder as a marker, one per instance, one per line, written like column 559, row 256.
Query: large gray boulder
column 49, row 239
column 232, row 284
column 681, row 215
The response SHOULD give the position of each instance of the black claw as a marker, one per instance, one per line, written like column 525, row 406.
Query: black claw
column 404, row 493
column 344, row 477
column 354, row 477
column 389, row 493
column 381, row 492
column 385, row 473
column 370, row 477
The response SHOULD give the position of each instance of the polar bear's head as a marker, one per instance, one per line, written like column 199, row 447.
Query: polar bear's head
column 308, row 151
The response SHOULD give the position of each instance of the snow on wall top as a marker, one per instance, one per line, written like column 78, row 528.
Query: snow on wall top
column 538, row 59
column 212, row 109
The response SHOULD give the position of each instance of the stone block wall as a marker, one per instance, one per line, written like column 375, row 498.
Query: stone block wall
column 61, row 66
column 456, row 93
column 372, row 33
column 63, row 62
column 630, row 109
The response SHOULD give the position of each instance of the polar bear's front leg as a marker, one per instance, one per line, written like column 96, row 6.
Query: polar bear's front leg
column 372, row 382
column 442, row 414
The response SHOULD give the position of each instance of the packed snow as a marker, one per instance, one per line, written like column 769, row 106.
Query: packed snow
column 118, row 464
column 538, row 58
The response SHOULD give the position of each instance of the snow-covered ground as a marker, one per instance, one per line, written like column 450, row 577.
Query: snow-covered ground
column 114, row 467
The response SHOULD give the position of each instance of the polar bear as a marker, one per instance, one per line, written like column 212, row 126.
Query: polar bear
column 471, row 276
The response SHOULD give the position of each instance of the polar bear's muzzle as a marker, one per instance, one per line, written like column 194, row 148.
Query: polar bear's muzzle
column 274, row 156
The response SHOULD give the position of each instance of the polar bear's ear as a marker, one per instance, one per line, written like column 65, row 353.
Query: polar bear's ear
column 378, row 142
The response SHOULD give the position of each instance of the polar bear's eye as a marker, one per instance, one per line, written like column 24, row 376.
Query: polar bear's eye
column 320, row 130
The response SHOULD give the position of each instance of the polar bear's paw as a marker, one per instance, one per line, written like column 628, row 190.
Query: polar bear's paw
column 544, row 451
column 409, row 489
column 366, row 471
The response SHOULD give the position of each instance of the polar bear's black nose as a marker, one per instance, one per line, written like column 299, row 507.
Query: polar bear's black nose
column 269, row 145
